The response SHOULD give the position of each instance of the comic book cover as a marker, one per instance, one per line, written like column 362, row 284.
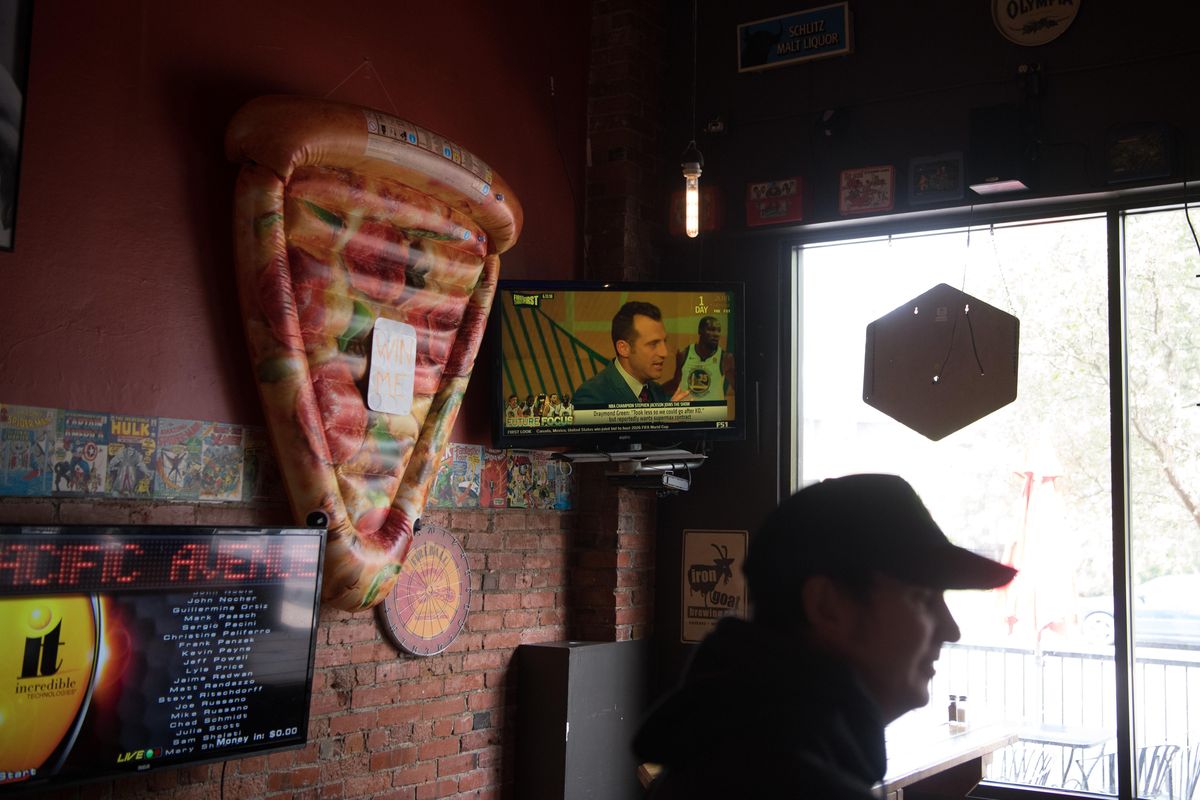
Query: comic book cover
column 261, row 479
column 26, row 446
column 541, row 490
column 177, row 458
column 440, row 494
column 80, row 453
column 562, row 485
column 221, row 462
column 131, row 446
column 493, row 479
column 520, row 478
column 457, row 482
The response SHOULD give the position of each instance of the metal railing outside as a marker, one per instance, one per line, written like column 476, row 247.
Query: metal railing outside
column 1063, row 703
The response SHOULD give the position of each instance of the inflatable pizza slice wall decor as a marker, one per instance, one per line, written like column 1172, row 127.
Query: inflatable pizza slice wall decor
column 367, row 253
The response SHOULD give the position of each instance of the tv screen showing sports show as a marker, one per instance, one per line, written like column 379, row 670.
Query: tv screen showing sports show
column 590, row 363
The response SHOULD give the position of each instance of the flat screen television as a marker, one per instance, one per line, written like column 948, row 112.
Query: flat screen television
column 124, row 649
column 557, row 381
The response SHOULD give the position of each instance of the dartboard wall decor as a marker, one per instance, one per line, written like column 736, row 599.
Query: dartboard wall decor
column 427, row 608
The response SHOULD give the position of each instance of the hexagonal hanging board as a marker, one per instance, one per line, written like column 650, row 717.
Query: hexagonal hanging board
column 941, row 361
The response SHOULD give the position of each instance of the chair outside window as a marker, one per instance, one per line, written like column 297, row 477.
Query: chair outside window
column 1155, row 770
column 1026, row 763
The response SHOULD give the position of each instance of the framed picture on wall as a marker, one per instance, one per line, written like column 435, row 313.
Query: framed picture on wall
column 1138, row 152
column 935, row 179
column 15, row 16
column 867, row 189
column 712, row 581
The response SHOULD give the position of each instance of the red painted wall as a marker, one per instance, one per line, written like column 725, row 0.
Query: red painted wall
column 119, row 295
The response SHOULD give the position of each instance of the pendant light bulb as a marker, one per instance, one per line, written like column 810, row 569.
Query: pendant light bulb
column 692, row 167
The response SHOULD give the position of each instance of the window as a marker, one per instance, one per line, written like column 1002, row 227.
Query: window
column 1032, row 483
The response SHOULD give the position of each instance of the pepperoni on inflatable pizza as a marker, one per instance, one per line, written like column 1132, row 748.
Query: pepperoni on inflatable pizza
column 355, row 229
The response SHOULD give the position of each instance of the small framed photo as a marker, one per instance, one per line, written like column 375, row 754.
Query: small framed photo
column 770, row 202
column 935, row 179
column 867, row 189
column 1138, row 152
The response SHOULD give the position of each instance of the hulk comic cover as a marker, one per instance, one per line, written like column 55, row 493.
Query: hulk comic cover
column 131, row 446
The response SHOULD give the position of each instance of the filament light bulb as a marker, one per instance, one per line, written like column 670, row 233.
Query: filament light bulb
column 691, row 204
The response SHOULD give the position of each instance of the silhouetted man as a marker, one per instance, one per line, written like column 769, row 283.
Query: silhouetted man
column 846, row 577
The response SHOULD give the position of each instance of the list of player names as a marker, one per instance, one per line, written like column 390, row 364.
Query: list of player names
column 209, row 700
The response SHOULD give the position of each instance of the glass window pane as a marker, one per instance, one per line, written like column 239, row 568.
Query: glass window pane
column 1027, row 484
column 1163, row 320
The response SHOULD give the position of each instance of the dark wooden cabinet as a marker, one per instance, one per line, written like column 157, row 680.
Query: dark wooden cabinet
column 578, row 707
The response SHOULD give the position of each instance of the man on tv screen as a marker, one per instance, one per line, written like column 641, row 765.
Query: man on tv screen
column 640, row 341
column 703, row 371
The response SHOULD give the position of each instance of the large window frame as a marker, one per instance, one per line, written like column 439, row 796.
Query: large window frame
column 1114, row 206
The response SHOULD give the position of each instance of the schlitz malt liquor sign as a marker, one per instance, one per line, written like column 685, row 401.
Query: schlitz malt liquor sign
column 713, row 583
column 1033, row 22
column 792, row 38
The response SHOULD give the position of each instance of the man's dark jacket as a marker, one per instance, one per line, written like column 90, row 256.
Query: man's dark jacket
column 608, row 386
column 759, row 716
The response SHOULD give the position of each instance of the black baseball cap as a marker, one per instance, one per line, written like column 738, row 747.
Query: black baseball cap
column 856, row 525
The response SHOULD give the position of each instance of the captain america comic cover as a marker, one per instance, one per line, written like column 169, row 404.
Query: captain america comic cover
column 80, row 458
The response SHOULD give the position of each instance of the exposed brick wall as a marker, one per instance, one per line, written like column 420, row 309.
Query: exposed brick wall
column 625, row 212
column 613, row 575
column 611, row 594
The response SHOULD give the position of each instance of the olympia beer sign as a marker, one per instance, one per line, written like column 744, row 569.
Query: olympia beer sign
column 791, row 38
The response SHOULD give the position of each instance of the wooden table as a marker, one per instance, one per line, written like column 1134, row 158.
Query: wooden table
column 931, row 761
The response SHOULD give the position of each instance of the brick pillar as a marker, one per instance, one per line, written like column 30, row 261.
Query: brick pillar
column 625, row 214
column 613, row 553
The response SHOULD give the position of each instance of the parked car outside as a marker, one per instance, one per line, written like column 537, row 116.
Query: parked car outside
column 1166, row 611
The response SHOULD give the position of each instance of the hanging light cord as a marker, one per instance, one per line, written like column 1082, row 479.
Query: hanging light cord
column 1188, row 216
column 694, row 25
column 692, row 152
column 937, row 378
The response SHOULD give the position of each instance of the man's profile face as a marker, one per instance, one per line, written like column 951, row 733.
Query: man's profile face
column 710, row 334
column 644, row 357
column 898, row 632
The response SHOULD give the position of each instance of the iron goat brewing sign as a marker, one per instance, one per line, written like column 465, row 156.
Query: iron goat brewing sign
column 713, row 583
column 1033, row 22
column 791, row 38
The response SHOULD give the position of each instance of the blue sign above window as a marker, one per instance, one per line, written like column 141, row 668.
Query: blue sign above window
column 791, row 38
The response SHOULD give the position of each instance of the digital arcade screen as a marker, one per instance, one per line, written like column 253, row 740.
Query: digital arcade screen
column 125, row 649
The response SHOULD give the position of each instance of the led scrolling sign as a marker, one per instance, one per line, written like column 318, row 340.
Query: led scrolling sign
column 82, row 564
column 128, row 648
